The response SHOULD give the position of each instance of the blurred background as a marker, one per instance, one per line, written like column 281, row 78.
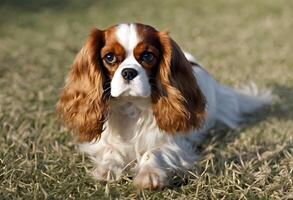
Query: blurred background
column 237, row 41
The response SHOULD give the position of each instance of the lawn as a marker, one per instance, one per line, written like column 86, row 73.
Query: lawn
column 237, row 41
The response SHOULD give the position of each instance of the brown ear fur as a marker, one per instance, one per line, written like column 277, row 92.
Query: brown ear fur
column 82, row 105
column 178, row 103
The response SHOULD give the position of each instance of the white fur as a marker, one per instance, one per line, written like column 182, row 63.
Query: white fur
column 131, row 132
column 127, row 36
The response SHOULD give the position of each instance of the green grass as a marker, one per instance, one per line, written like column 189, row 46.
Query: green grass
column 235, row 40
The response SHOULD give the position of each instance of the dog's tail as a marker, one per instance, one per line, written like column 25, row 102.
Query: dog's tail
column 234, row 104
column 230, row 106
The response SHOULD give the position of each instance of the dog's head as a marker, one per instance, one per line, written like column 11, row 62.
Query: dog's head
column 130, row 60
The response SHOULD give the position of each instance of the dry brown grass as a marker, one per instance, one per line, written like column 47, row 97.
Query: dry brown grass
column 236, row 40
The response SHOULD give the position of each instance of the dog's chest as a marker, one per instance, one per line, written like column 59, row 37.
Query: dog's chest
column 126, row 120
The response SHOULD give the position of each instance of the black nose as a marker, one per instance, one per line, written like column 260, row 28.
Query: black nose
column 129, row 74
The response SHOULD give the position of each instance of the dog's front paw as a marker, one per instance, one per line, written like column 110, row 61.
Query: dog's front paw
column 150, row 179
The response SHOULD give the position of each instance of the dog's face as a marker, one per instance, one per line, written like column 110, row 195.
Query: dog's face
column 131, row 56
column 132, row 60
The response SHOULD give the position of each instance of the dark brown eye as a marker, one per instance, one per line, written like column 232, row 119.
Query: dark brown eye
column 147, row 57
column 110, row 58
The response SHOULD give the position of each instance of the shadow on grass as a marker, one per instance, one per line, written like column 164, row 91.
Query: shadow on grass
column 26, row 12
column 37, row 5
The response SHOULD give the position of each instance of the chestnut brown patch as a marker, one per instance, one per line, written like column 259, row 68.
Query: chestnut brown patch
column 178, row 103
column 115, row 48
column 142, row 48
column 83, row 103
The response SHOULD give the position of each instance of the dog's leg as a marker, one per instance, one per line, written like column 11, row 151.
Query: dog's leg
column 155, row 166
column 108, row 162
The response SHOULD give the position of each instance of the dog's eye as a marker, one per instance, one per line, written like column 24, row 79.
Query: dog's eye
column 110, row 58
column 147, row 57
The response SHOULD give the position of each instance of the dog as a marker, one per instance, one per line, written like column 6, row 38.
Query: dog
column 133, row 94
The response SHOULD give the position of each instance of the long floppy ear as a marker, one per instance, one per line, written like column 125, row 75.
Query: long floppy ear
column 83, row 105
column 178, row 103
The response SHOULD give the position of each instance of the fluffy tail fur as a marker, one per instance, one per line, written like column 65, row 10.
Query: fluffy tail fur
column 232, row 104
column 229, row 106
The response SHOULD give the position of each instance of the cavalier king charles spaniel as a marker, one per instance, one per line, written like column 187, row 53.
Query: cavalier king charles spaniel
column 133, row 95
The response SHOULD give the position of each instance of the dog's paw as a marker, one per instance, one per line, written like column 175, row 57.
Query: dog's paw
column 148, row 179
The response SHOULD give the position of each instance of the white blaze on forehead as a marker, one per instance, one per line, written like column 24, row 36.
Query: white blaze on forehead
column 127, row 36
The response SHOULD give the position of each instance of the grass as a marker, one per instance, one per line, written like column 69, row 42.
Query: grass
column 236, row 40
